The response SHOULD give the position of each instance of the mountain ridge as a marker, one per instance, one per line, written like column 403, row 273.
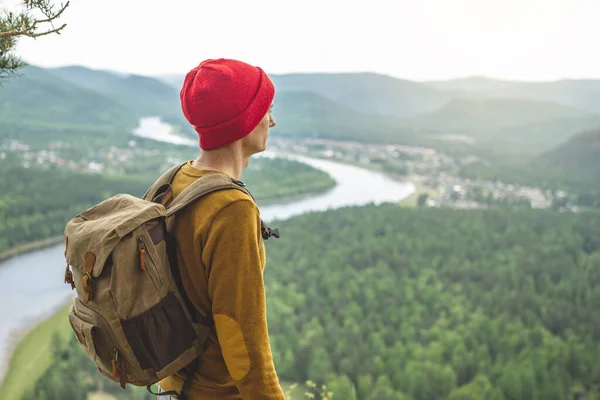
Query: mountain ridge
column 37, row 95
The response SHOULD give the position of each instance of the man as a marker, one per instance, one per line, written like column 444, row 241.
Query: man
column 219, row 244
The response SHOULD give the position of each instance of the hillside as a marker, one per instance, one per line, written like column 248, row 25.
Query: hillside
column 572, row 166
column 307, row 114
column 364, row 107
column 577, row 164
column 474, row 84
column 583, row 94
column 38, row 96
column 175, row 80
column 143, row 95
column 489, row 128
column 367, row 92
column 581, row 153
column 475, row 115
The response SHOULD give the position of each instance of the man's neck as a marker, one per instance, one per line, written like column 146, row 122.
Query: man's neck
column 228, row 160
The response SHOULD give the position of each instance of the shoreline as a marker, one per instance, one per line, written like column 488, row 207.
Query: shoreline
column 30, row 247
column 289, row 199
column 18, row 337
column 54, row 240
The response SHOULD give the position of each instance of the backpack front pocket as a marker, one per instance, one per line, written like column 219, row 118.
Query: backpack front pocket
column 84, row 331
column 97, row 339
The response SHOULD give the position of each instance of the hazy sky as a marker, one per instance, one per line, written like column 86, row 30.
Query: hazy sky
column 413, row 39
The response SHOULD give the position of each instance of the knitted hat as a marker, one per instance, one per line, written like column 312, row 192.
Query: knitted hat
column 225, row 100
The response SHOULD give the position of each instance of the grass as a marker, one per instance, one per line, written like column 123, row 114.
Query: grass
column 411, row 201
column 295, row 393
column 33, row 355
column 100, row 396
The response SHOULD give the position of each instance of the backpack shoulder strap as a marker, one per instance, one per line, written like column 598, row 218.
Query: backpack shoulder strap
column 165, row 179
column 200, row 187
column 208, row 184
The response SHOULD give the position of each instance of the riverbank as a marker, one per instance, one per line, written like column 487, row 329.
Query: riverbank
column 293, row 198
column 51, row 241
column 419, row 188
column 29, row 247
column 30, row 353
column 412, row 199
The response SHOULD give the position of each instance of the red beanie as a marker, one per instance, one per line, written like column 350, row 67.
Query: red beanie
column 225, row 100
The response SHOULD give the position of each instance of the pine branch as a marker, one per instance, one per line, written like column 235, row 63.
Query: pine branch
column 24, row 24
column 27, row 32
column 29, row 29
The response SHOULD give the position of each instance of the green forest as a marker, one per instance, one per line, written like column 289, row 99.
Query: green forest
column 390, row 303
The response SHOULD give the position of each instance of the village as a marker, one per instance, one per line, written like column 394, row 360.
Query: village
column 432, row 173
column 112, row 160
column 429, row 170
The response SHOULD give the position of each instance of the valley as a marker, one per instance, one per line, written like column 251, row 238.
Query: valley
column 471, row 274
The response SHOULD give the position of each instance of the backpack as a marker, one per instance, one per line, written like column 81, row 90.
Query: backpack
column 131, row 314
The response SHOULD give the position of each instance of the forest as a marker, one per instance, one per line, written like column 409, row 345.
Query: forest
column 390, row 303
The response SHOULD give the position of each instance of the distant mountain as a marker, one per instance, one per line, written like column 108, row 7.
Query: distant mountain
column 581, row 155
column 365, row 92
column 368, row 92
column 462, row 125
column 576, row 166
column 352, row 106
column 175, row 80
column 583, row 94
column 143, row 95
column 472, row 116
column 38, row 96
column 475, row 84
column 308, row 114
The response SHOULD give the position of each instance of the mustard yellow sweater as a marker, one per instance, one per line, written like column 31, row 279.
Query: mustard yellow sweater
column 222, row 258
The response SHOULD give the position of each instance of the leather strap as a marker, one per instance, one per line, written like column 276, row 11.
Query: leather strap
column 165, row 179
column 90, row 260
column 157, row 233
column 200, row 187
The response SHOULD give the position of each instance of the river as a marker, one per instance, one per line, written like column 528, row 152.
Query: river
column 32, row 287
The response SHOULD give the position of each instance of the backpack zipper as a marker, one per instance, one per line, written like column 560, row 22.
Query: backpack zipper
column 142, row 253
column 117, row 367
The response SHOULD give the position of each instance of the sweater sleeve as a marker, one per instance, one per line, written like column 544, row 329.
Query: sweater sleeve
column 234, row 256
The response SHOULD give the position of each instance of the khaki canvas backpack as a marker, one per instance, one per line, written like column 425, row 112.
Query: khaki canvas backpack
column 131, row 314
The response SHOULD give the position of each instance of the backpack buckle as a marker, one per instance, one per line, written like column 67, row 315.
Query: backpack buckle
column 268, row 232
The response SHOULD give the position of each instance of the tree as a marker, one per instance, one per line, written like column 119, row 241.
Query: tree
column 36, row 20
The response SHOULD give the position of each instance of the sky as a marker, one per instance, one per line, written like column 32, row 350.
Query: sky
column 421, row 40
